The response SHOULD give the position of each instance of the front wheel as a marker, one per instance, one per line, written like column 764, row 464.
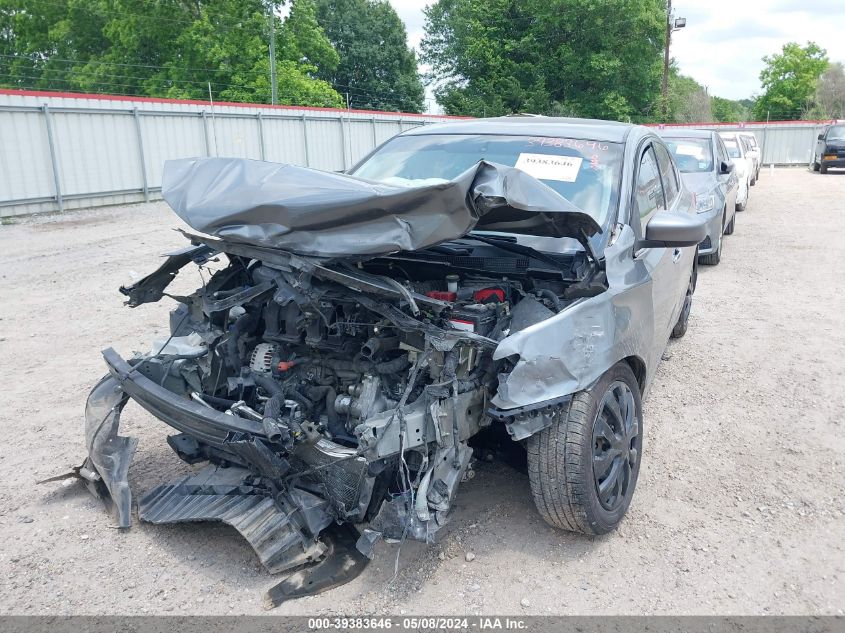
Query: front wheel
column 729, row 229
column 583, row 468
column 822, row 168
column 816, row 164
column 712, row 259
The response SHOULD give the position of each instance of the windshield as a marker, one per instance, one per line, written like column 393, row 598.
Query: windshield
column 584, row 172
column 691, row 154
column 733, row 149
column 836, row 132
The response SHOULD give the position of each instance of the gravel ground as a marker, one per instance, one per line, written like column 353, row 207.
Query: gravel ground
column 739, row 507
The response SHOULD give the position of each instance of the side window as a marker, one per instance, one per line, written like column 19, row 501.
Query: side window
column 722, row 150
column 668, row 173
column 649, row 189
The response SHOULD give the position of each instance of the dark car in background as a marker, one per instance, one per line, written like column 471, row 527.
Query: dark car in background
column 360, row 330
column 830, row 149
column 708, row 172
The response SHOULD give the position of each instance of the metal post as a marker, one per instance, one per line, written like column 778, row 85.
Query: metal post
column 375, row 135
column 205, row 133
column 305, row 141
column 261, row 136
column 343, row 133
column 213, row 121
column 664, row 90
column 141, row 154
column 274, row 96
column 54, row 159
column 348, row 164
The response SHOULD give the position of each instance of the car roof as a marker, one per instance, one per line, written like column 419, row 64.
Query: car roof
column 685, row 132
column 593, row 129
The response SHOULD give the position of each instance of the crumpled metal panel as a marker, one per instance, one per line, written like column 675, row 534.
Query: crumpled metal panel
column 216, row 494
column 325, row 214
column 572, row 349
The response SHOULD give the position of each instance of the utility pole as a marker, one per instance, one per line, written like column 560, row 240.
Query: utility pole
column 672, row 24
column 273, row 85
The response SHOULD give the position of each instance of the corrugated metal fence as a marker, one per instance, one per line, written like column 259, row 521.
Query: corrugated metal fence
column 71, row 151
column 782, row 142
column 67, row 151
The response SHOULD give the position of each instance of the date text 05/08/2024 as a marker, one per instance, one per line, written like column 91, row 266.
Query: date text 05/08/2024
column 418, row 623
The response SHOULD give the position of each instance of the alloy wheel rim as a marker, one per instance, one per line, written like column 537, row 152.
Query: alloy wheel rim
column 616, row 445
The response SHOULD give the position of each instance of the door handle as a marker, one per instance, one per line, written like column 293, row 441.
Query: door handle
column 676, row 255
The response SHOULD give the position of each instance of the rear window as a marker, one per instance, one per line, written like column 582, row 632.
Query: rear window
column 691, row 154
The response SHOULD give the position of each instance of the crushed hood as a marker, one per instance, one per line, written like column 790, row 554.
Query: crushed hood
column 324, row 214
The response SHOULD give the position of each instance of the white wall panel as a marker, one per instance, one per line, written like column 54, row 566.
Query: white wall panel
column 98, row 142
column 96, row 153
column 284, row 141
column 168, row 137
column 24, row 172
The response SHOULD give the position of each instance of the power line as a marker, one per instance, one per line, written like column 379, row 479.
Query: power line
column 141, row 83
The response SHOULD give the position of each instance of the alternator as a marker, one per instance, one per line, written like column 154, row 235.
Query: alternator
column 262, row 358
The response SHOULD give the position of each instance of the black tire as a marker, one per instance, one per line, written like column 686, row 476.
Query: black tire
column 683, row 319
column 729, row 229
column 816, row 164
column 741, row 207
column 589, row 431
column 712, row 259
column 754, row 180
column 822, row 168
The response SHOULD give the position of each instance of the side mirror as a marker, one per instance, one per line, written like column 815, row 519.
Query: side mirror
column 671, row 230
column 726, row 167
column 821, row 136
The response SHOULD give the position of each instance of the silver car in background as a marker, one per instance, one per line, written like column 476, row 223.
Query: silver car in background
column 709, row 173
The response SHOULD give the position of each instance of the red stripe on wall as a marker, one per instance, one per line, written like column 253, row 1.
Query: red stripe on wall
column 109, row 97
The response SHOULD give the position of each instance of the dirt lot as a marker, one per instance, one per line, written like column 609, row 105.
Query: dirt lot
column 739, row 507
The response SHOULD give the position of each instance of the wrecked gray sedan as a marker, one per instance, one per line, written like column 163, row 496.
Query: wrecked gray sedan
column 361, row 330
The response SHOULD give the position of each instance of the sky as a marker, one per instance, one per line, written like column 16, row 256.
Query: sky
column 724, row 41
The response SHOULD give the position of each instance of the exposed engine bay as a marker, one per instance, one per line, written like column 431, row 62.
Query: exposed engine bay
column 325, row 392
column 346, row 393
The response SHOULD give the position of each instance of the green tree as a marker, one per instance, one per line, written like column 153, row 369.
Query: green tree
column 493, row 57
column 728, row 111
column 789, row 81
column 377, row 69
column 688, row 100
column 168, row 48
column 829, row 100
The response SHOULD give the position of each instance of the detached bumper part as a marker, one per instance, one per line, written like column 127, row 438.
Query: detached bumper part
column 109, row 455
column 283, row 533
